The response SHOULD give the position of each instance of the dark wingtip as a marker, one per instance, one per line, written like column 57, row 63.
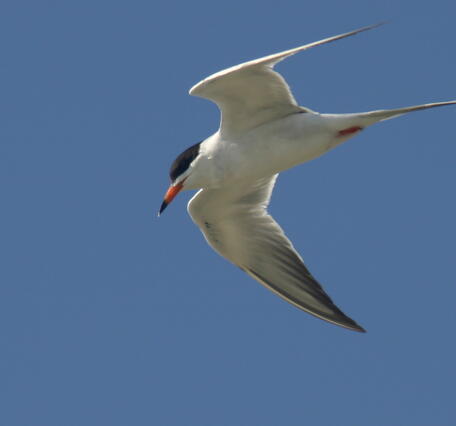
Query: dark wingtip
column 350, row 324
column 347, row 323
column 359, row 329
column 162, row 207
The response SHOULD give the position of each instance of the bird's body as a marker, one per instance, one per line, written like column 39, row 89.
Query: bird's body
column 263, row 132
column 297, row 138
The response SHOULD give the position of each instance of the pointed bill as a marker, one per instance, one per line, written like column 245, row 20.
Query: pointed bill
column 173, row 190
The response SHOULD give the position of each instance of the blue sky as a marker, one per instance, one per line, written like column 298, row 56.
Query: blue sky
column 110, row 316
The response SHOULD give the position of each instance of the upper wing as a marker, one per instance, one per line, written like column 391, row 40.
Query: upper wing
column 252, row 93
column 236, row 224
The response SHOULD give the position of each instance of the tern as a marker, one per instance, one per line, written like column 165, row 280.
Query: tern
column 263, row 131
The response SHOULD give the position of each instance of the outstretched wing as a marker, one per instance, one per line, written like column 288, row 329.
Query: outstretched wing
column 237, row 225
column 252, row 93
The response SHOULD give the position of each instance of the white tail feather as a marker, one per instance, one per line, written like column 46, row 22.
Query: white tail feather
column 385, row 114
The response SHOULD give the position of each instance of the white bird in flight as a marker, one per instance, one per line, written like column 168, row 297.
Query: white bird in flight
column 263, row 131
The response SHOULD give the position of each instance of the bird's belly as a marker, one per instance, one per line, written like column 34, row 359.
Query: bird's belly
column 278, row 146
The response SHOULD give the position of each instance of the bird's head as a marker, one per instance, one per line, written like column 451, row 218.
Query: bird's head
column 178, row 173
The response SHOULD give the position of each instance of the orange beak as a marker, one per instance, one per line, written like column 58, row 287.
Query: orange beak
column 173, row 190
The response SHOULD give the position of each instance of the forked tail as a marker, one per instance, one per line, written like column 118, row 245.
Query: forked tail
column 372, row 117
